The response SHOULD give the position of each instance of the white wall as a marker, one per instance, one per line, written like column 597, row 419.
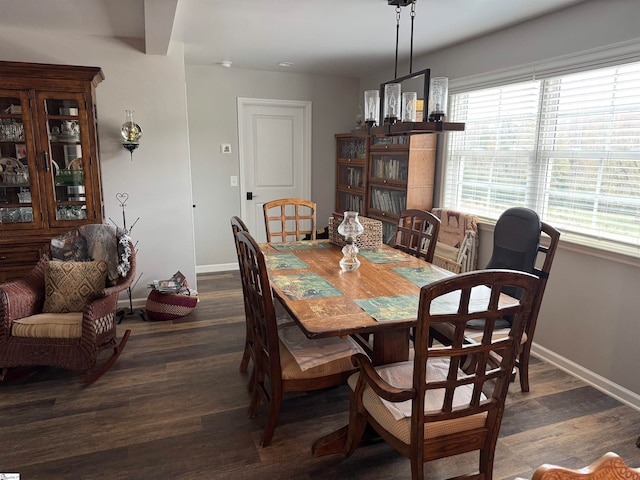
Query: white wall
column 212, row 99
column 590, row 317
column 158, row 180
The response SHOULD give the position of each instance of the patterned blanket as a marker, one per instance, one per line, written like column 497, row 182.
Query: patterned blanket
column 94, row 242
column 454, row 225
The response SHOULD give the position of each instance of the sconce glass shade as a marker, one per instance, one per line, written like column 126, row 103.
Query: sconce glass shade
column 350, row 229
column 438, row 95
column 130, row 131
column 409, row 104
column 371, row 107
column 392, row 102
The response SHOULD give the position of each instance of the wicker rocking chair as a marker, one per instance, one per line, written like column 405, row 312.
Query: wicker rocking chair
column 88, row 332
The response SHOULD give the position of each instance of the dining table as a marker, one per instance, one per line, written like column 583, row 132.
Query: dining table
column 376, row 304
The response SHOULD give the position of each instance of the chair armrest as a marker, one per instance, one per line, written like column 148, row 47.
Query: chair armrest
column 123, row 283
column 369, row 375
column 24, row 297
column 108, row 291
column 95, row 311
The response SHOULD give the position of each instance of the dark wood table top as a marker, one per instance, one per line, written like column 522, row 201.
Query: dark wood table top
column 340, row 314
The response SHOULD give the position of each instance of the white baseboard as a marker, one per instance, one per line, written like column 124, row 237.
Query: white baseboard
column 220, row 267
column 614, row 390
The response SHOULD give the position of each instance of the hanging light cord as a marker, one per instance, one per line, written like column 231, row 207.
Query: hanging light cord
column 398, row 10
column 413, row 15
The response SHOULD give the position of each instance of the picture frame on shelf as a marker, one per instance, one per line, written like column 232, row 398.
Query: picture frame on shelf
column 21, row 152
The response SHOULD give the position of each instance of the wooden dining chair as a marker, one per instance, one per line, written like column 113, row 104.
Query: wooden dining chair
column 608, row 467
column 285, row 360
column 430, row 408
column 546, row 253
column 417, row 233
column 538, row 261
column 290, row 219
column 237, row 225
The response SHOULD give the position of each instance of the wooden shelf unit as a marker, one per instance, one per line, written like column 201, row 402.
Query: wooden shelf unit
column 50, row 176
column 398, row 174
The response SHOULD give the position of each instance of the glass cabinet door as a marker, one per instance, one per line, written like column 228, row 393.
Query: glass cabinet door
column 19, row 202
column 352, row 148
column 351, row 176
column 350, row 202
column 67, row 167
column 390, row 167
column 387, row 201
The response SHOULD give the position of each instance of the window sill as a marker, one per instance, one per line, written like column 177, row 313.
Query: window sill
column 608, row 250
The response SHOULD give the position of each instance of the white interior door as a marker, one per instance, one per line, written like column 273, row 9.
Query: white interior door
column 275, row 155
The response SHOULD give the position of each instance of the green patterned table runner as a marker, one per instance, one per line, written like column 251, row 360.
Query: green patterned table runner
column 381, row 255
column 283, row 261
column 302, row 245
column 305, row 286
column 405, row 307
column 400, row 307
column 420, row 276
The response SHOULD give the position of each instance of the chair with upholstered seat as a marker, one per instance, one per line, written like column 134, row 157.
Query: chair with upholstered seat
column 290, row 219
column 608, row 467
column 285, row 360
column 417, row 233
column 63, row 314
column 524, row 243
column 429, row 408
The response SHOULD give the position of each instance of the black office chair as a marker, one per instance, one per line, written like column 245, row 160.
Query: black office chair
column 521, row 241
column 516, row 238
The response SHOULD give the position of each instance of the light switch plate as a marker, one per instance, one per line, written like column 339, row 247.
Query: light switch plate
column 225, row 147
column 234, row 181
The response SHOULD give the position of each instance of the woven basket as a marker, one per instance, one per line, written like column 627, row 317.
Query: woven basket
column 369, row 240
column 167, row 306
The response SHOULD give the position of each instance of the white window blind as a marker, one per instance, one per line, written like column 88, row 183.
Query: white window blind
column 567, row 147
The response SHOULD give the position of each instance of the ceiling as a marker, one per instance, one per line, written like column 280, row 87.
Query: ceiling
column 346, row 38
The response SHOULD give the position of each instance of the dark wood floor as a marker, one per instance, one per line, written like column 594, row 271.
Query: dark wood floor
column 174, row 406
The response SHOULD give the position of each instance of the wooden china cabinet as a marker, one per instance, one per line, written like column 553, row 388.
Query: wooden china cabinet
column 49, row 166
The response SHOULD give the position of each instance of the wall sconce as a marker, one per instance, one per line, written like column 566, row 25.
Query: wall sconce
column 131, row 133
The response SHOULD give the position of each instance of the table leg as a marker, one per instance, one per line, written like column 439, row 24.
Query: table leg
column 331, row 443
column 390, row 346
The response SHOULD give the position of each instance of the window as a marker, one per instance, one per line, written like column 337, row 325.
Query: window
column 567, row 147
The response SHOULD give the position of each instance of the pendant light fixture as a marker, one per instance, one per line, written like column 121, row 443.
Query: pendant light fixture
column 398, row 110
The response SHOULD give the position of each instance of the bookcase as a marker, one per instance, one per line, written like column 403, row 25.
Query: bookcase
column 352, row 154
column 401, row 176
column 380, row 176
